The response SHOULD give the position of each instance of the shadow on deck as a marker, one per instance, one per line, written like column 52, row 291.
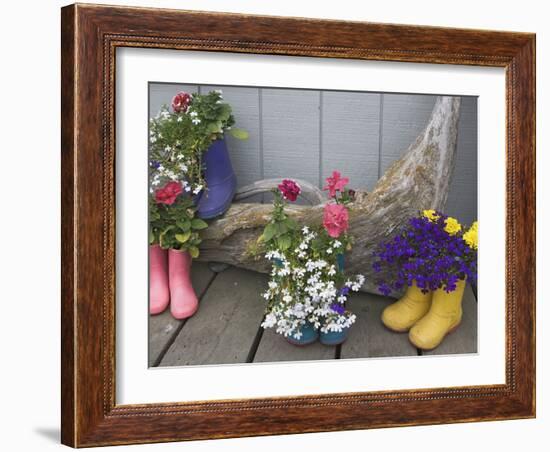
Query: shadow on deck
column 226, row 328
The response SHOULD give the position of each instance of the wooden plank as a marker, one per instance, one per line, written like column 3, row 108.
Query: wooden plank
column 290, row 120
column 350, row 136
column 163, row 327
column 273, row 347
column 369, row 337
column 162, row 93
column 462, row 200
column 245, row 154
column 404, row 116
column 464, row 339
column 223, row 329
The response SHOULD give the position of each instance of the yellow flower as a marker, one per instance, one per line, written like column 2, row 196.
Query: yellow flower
column 452, row 226
column 470, row 236
column 430, row 215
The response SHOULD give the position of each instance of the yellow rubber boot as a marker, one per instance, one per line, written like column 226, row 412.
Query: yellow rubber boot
column 404, row 313
column 443, row 317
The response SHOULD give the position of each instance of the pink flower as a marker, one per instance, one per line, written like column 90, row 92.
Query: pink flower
column 168, row 193
column 289, row 189
column 180, row 102
column 335, row 219
column 335, row 183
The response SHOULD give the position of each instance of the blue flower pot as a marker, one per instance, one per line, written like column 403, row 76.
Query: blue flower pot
column 309, row 335
column 340, row 261
column 220, row 180
column 333, row 337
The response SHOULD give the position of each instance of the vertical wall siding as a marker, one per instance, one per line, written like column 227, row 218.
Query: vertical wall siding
column 309, row 133
column 350, row 136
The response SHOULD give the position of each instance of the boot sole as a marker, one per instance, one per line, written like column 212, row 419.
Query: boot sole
column 452, row 330
column 300, row 344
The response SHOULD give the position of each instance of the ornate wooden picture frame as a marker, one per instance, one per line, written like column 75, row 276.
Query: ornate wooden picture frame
column 90, row 37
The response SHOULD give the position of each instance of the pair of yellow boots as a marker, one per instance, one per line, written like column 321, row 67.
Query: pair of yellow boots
column 428, row 317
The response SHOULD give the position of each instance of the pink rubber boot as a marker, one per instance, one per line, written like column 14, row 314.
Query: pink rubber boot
column 183, row 300
column 159, row 295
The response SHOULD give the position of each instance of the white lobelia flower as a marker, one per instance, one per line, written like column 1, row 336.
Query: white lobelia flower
column 337, row 244
column 196, row 121
column 305, row 230
column 272, row 285
column 188, row 189
column 329, row 250
column 269, row 321
column 197, row 189
column 180, row 119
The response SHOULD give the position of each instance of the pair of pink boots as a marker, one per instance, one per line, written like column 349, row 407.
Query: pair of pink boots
column 170, row 283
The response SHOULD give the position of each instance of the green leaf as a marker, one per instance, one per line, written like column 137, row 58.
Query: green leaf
column 194, row 252
column 182, row 238
column 197, row 223
column 184, row 225
column 240, row 134
column 163, row 233
column 281, row 228
column 225, row 112
column 284, row 242
column 214, row 127
column 269, row 232
column 151, row 237
column 291, row 224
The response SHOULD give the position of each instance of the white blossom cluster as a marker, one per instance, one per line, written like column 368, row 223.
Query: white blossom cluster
column 304, row 289
column 176, row 162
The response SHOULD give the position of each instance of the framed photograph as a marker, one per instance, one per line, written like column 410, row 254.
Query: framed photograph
column 281, row 225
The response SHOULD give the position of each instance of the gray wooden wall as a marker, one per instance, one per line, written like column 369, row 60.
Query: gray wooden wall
column 308, row 133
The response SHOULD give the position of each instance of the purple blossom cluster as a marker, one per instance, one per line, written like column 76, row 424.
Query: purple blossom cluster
column 423, row 252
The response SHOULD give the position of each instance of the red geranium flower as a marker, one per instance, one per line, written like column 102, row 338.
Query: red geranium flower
column 168, row 193
column 335, row 183
column 335, row 219
column 181, row 102
column 289, row 189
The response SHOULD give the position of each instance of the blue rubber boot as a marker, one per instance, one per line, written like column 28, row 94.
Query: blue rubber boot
column 220, row 179
column 309, row 335
column 333, row 337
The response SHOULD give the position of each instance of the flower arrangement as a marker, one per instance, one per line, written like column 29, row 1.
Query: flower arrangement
column 432, row 250
column 307, row 283
column 177, row 140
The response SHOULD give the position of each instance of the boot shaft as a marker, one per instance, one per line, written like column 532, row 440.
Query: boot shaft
column 449, row 304
column 415, row 294
column 158, row 257
column 217, row 163
column 179, row 262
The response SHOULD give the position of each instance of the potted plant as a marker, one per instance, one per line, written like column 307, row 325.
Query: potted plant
column 308, row 289
column 432, row 257
column 190, row 176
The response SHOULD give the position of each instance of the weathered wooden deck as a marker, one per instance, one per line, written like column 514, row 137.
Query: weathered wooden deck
column 226, row 328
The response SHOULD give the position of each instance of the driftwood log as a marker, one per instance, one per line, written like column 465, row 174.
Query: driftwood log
column 419, row 180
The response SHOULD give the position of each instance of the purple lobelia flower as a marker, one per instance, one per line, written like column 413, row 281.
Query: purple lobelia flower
column 344, row 290
column 338, row 308
column 423, row 252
